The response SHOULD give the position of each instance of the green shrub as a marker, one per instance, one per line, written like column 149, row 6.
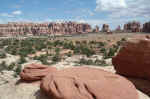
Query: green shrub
column 102, row 50
column 2, row 55
column 56, row 58
column 11, row 66
column 111, row 52
column 17, row 70
column 3, row 66
column 69, row 54
column 101, row 44
column 86, row 51
column 22, row 60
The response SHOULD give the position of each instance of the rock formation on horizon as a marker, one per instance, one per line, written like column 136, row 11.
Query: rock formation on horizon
column 118, row 28
column 14, row 28
column 96, row 29
column 105, row 28
column 132, row 27
column 146, row 27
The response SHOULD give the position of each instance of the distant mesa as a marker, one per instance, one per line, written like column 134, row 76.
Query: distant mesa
column 14, row 28
column 146, row 27
column 133, row 27
column 53, row 28
column 105, row 28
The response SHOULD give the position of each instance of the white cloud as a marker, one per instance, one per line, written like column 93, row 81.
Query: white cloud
column 18, row 12
column 110, row 4
column 12, row 14
column 6, row 15
column 124, row 8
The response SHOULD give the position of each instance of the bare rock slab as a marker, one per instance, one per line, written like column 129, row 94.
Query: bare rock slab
column 87, row 83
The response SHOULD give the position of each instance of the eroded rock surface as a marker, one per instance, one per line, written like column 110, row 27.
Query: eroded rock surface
column 87, row 83
column 105, row 28
column 23, row 90
column 132, row 27
column 14, row 28
column 133, row 62
column 146, row 27
column 133, row 59
column 35, row 72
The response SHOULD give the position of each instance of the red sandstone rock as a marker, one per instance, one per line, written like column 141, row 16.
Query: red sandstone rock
column 44, row 28
column 35, row 72
column 132, row 27
column 87, row 83
column 146, row 27
column 96, row 29
column 118, row 28
column 105, row 28
column 133, row 59
column 141, row 84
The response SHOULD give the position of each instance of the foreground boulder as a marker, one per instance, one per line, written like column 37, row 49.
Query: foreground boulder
column 87, row 83
column 133, row 59
column 35, row 72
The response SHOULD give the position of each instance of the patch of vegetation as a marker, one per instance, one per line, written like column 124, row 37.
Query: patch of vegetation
column 22, row 60
column 56, row 57
column 18, row 70
column 2, row 55
column 11, row 66
column 3, row 66
column 97, row 62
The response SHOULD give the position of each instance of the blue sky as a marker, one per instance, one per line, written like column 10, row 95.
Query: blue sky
column 94, row 12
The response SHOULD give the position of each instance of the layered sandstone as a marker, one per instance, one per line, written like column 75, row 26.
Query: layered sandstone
column 118, row 28
column 44, row 28
column 34, row 72
column 146, row 27
column 87, row 83
column 80, row 83
column 96, row 29
column 133, row 59
column 132, row 27
column 105, row 28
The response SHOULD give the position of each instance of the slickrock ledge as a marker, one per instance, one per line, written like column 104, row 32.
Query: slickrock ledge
column 34, row 72
column 87, row 83
column 79, row 83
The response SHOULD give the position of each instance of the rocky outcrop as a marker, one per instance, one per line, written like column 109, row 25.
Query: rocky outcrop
column 34, row 72
column 105, row 28
column 87, row 83
column 96, row 29
column 132, row 27
column 44, row 28
column 22, row 90
column 133, row 59
column 80, row 83
column 118, row 28
column 146, row 27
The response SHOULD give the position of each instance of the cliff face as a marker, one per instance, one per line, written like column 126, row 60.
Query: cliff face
column 132, row 27
column 146, row 27
column 44, row 28
column 105, row 28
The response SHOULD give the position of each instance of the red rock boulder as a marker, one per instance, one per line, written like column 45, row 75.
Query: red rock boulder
column 35, row 72
column 133, row 59
column 87, row 83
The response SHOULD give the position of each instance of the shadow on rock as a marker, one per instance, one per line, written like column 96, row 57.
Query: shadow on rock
column 141, row 84
column 23, row 81
column 40, row 95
